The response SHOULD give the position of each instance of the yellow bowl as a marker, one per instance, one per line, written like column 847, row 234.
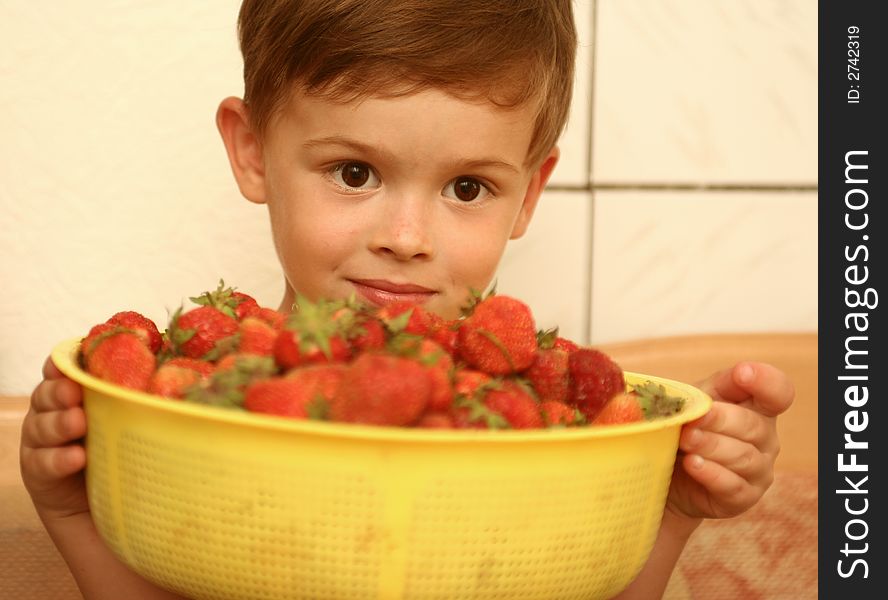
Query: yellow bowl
column 218, row 503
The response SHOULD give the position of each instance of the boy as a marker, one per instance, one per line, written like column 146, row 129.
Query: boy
column 398, row 147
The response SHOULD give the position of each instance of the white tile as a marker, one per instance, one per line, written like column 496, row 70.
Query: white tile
column 573, row 166
column 695, row 90
column 681, row 263
column 548, row 268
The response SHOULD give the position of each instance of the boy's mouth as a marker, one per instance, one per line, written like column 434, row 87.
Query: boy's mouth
column 381, row 292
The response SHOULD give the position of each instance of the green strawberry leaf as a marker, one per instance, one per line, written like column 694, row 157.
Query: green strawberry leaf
column 655, row 401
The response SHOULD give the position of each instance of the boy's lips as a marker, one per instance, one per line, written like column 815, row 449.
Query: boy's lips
column 381, row 292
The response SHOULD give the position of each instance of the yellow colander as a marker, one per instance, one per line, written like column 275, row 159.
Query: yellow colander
column 219, row 503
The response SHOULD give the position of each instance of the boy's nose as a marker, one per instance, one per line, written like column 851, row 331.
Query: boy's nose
column 403, row 230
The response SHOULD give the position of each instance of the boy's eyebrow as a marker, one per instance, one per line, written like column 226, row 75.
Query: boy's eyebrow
column 360, row 147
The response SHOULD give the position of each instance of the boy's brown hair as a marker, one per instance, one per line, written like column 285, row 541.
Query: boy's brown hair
column 509, row 52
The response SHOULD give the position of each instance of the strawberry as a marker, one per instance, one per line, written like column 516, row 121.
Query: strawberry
column 271, row 316
column 203, row 367
column 120, row 356
column 226, row 386
column 438, row 362
column 303, row 393
column 256, row 337
column 516, row 405
column 445, row 333
column 368, row 334
column 467, row 382
column 558, row 413
column 469, row 410
column 141, row 325
column 622, row 408
column 595, row 378
column 293, row 349
column 312, row 335
column 436, row 420
column 380, row 389
column 172, row 381
column 198, row 332
column 95, row 333
column 405, row 317
column 499, row 336
column 225, row 299
column 565, row 344
column 549, row 375
column 549, row 338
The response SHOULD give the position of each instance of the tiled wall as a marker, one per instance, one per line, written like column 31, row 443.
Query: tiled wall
column 687, row 200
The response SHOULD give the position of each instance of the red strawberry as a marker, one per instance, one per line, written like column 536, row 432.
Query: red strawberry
column 594, row 378
column 271, row 316
column 469, row 411
column 303, row 393
column 499, row 336
column 380, row 389
column 368, row 334
column 312, row 335
column 95, row 332
column 622, row 408
column 549, row 375
column 256, row 337
column 436, row 420
column 234, row 304
column 445, row 333
column 173, row 381
column 566, row 345
column 438, row 362
column 467, row 382
column 293, row 349
column 558, row 413
column 231, row 377
column 201, row 366
column 121, row 357
column 197, row 332
column 405, row 317
column 550, row 339
column 516, row 405
column 141, row 325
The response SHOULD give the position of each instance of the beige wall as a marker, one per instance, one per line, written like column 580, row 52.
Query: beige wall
column 685, row 200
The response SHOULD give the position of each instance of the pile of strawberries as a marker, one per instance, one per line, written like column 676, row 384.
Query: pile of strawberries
column 344, row 361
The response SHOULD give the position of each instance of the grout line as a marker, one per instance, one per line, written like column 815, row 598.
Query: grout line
column 708, row 187
column 593, row 55
column 684, row 187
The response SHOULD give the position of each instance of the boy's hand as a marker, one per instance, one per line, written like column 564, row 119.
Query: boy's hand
column 728, row 454
column 52, row 459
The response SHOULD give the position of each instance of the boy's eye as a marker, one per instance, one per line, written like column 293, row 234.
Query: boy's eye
column 466, row 189
column 355, row 175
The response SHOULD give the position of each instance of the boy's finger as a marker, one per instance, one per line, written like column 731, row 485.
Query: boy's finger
column 731, row 493
column 45, row 465
column 767, row 387
column 54, row 428
column 50, row 371
column 738, row 421
column 56, row 394
column 734, row 454
column 723, row 386
column 771, row 390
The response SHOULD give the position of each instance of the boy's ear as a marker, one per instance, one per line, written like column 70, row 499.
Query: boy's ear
column 534, row 189
column 243, row 148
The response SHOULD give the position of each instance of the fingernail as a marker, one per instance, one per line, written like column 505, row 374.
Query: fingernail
column 745, row 373
column 694, row 437
column 696, row 461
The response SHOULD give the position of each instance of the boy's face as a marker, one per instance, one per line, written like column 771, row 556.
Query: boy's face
column 409, row 198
